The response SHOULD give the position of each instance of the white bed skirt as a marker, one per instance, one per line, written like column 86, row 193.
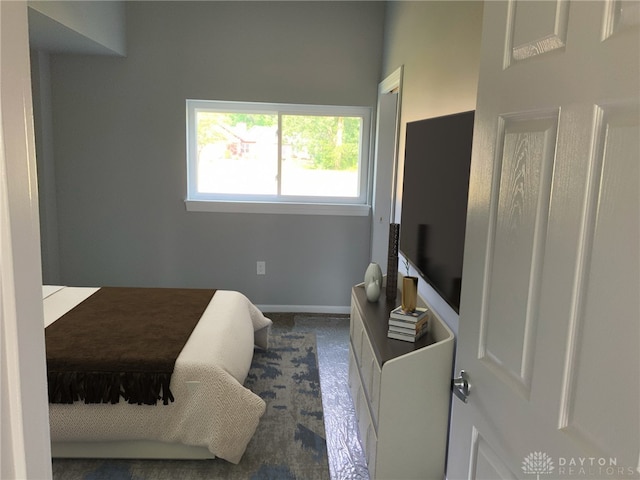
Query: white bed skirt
column 147, row 449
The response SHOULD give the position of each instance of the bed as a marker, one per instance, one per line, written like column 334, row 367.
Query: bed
column 212, row 413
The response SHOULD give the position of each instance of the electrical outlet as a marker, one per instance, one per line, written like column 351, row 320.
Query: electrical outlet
column 261, row 267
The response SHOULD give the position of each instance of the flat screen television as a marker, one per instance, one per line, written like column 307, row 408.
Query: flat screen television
column 434, row 200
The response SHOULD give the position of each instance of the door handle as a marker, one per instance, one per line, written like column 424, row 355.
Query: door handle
column 461, row 386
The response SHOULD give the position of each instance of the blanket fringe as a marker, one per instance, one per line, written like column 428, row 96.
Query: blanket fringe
column 107, row 387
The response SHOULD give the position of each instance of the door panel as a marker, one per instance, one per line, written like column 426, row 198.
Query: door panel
column 550, row 319
column 486, row 464
column 519, row 209
column 535, row 29
column 607, row 294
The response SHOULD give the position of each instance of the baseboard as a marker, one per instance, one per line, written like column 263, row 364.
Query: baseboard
column 305, row 309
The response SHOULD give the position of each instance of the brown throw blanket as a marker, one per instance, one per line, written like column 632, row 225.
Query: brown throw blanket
column 121, row 342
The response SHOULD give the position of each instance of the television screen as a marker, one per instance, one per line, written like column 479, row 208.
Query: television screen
column 434, row 200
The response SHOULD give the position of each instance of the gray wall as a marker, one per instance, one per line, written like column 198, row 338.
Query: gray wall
column 96, row 27
column 119, row 142
column 78, row 27
column 438, row 43
column 43, row 126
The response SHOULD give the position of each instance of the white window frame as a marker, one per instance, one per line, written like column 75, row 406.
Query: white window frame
column 211, row 202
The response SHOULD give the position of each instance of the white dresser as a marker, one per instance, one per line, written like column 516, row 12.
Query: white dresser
column 401, row 392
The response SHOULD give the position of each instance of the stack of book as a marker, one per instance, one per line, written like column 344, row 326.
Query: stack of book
column 408, row 326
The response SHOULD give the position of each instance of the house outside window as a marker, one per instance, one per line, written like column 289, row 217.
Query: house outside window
column 277, row 158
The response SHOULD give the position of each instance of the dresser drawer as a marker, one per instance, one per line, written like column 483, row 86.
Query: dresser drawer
column 371, row 451
column 366, row 428
column 354, row 375
column 367, row 431
column 371, row 373
column 357, row 334
column 376, row 375
column 365, row 425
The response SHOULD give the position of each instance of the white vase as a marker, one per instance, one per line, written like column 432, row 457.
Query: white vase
column 372, row 290
column 373, row 276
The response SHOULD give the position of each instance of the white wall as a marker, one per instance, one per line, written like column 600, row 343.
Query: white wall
column 119, row 142
column 438, row 43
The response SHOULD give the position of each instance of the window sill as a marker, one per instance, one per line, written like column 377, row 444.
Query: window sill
column 278, row 208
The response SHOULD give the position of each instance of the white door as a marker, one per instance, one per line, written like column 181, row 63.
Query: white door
column 549, row 327
column 24, row 414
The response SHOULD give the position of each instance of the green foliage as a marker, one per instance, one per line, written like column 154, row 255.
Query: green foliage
column 214, row 126
column 253, row 119
column 330, row 142
column 207, row 128
column 323, row 142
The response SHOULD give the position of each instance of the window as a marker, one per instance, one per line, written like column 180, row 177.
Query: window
column 277, row 158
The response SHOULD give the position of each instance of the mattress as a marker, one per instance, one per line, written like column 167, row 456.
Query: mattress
column 212, row 408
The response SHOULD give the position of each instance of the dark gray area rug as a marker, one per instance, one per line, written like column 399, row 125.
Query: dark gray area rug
column 288, row 444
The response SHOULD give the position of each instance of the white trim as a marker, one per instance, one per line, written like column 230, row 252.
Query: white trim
column 269, row 108
column 364, row 161
column 392, row 82
column 10, row 379
column 344, row 310
column 397, row 78
column 278, row 208
column 385, row 175
column 25, row 451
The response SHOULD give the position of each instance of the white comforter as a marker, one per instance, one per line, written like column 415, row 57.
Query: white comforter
column 211, row 407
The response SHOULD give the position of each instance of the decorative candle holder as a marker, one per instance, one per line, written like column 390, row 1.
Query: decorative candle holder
column 392, row 262
column 409, row 294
